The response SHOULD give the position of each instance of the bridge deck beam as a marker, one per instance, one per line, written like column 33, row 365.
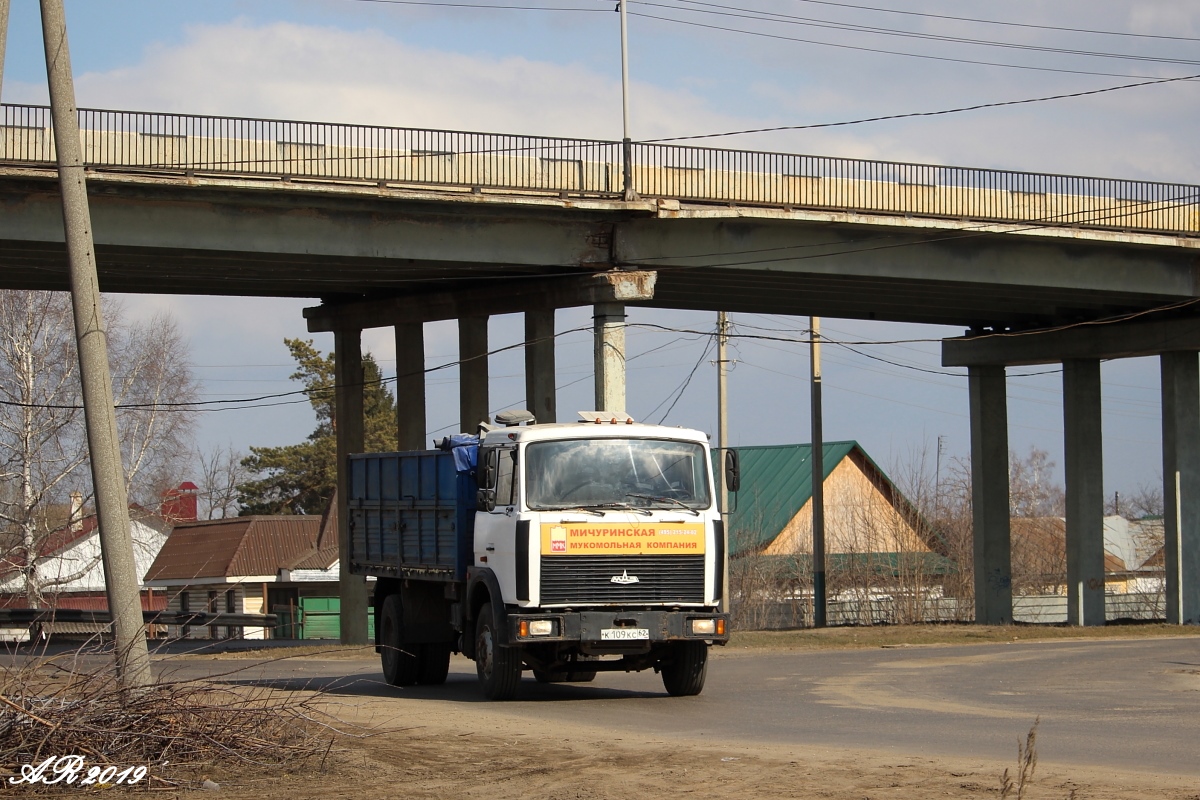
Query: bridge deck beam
column 507, row 297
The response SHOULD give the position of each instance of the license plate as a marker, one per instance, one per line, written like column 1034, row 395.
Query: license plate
column 621, row 634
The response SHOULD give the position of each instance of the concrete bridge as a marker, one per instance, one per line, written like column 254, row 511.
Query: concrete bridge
column 396, row 227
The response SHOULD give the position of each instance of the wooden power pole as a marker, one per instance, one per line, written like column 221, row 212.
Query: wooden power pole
column 723, row 448
column 820, row 605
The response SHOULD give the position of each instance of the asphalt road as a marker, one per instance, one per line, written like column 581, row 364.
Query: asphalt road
column 1129, row 705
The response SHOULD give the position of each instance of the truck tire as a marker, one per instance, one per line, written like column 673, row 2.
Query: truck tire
column 400, row 663
column 684, row 674
column 435, row 663
column 499, row 668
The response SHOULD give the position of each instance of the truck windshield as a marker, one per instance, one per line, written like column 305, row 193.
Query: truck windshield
column 644, row 473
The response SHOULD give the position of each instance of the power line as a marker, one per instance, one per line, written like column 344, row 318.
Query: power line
column 999, row 22
column 939, row 113
column 861, row 48
column 719, row 9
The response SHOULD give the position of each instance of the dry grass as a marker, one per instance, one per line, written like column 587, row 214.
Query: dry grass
column 54, row 706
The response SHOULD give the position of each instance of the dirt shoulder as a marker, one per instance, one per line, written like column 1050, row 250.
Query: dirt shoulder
column 404, row 747
column 479, row 752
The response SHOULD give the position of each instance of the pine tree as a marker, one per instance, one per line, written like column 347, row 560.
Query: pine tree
column 300, row 478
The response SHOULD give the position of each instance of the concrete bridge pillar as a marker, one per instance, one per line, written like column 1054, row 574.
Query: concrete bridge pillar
column 472, row 372
column 348, row 426
column 989, row 487
column 1085, row 491
column 540, row 393
column 609, row 320
column 410, row 386
column 1181, row 484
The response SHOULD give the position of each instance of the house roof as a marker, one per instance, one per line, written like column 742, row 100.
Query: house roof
column 776, row 483
column 63, row 539
column 324, row 552
column 235, row 547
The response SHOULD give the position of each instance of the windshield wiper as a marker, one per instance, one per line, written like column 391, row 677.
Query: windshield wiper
column 657, row 498
column 623, row 507
column 584, row 509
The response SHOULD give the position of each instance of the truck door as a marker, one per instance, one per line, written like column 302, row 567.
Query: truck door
column 495, row 529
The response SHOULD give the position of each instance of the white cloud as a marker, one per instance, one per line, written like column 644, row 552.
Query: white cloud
column 306, row 71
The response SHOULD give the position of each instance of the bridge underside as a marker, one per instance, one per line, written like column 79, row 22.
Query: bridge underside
column 267, row 238
column 383, row 256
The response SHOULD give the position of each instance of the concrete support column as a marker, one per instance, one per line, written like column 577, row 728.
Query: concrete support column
column 1181, row 484
column 609, row 320
column 472, row 372
column 410, row 386
column 348, row 427
column 1085, row 492
column 989, row 494
column 540, row 397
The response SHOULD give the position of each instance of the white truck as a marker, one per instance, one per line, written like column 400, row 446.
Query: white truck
column 563, row 549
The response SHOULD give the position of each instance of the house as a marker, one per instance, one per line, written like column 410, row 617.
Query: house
column 1039, row 554
column 864, row 511
column 882, row 561
column 70, row 568
column 284, row 565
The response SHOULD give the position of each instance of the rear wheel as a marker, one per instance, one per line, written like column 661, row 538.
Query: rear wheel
column 684, row 674
column 434, row 662
column 400, row 668
column 499, row 668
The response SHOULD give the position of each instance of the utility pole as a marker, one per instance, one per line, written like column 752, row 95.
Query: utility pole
column 4, row 4
column 723, row 448
column 937, row 478
column 820, row 618
column 108, row 478
column 626, row 142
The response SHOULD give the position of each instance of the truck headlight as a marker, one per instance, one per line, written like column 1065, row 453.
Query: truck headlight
column 704, row 627
column 536, row 627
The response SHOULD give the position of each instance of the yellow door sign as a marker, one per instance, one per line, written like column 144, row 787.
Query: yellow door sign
column 600, row 538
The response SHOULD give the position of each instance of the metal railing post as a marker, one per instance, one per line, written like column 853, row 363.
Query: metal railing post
column 627, row 170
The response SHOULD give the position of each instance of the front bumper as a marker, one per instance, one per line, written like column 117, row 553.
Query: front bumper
column 588, row 627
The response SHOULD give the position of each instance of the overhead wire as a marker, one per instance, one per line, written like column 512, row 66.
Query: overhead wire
column 879, row 50
column 914, row 114
column 721, row 9
column 979, row 21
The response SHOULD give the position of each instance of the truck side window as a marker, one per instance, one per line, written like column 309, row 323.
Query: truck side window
column 506, row 484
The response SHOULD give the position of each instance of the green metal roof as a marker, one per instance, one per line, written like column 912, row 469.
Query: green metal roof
column 776, row 483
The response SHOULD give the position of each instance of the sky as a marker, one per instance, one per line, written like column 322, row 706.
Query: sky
column 695, row 68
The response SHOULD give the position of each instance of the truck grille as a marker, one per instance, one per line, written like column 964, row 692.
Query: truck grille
column 588, row 579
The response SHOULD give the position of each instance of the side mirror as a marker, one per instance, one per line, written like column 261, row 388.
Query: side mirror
column 485, row 500
column 487, row 477
column 733, row 474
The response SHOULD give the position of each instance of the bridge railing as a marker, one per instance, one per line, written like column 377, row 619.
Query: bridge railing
column 462, row 161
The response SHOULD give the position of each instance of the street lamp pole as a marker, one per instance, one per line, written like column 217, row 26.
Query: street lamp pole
column 626, row 141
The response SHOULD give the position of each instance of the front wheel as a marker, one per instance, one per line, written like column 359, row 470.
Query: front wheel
column 499, row 668
column 684, row 674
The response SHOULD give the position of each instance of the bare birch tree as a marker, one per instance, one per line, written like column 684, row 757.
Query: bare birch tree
column 43, row 442
column 221, row 477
